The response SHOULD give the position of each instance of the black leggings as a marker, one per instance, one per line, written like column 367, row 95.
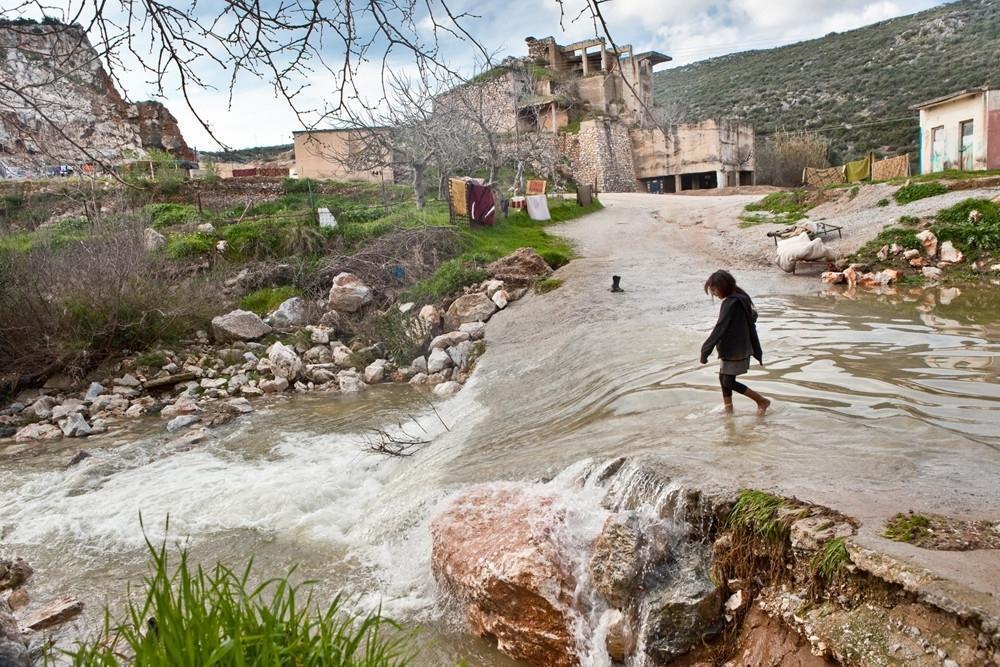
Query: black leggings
column 729, row 385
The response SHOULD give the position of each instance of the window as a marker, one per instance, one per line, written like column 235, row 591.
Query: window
column 937, row 149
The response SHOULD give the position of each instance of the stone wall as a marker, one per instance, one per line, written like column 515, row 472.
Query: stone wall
column 603, row 155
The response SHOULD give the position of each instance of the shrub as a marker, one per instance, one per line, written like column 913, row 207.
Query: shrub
column 906, row 527
column 189, row 246
column 298, row 185
column 402, row 338
column 792, row 204
column 100, row 296
column 167, row 214
column 916, row 191
column 255, row 239
column 302, row 238
column 756, row 514
column 190, row 616
column 830, row 560
column 909, row 220
column 781, row 159
column 555, row 258
column 882, row 203
column 450, row 277
column 265, row 300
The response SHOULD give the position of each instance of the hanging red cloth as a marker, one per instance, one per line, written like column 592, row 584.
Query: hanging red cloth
column 482, row 206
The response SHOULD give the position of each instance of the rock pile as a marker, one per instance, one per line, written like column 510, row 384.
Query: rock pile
column 295, row 348
column 19, row 619
column 930, row 262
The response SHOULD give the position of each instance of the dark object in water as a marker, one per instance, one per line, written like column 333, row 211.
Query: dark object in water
column 79, row 456
column 615, row 287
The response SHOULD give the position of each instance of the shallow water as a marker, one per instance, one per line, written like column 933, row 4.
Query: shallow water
column 881, row 403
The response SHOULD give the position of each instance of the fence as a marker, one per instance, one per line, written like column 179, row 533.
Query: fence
column 865, row 169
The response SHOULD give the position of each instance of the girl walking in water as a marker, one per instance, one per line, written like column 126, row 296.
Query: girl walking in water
column 735, row 337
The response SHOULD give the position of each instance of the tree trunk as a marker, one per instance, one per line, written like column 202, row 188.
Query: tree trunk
column 418, row 185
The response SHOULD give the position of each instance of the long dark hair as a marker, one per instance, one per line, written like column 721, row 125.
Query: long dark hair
column 723, row 283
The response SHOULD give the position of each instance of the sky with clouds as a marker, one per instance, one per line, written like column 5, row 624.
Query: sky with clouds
column 687, row 31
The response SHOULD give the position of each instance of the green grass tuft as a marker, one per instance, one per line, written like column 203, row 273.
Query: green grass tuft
column 189, row 246
column 917, row 191
column 883, row 202
column 265, row 300
column 830, row 560
column 756, row 513
column 906, row 527
column 547, row 285
column 188, row 616
column 168, row 214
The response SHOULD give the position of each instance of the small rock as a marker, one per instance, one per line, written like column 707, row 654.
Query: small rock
column 419, row 378
column 501, row 299
column 206, row 228
column 292, row 312
column 438, row 361
column 734, row 602
column 153, row 240
column 318, row 354
column 929, row 241
column 247, row 390
column 17, row 600
column 319, row 335
column 460, row 355
column 419, row 365
column 343, row 357
column 330, row 319
column 449, row 388
column 38, row 432
column 431, row 315
column 68, row 408
column 621, row 640
column 491, row 287
column 54, row 613
column 949, row 253
column 975, row 216
column 521, row 267
column 833, row 277
column 375, row 371
column 13, row 573
column 407, row 308
column 238, row 405
column 136, row 410
column 236, row 382
column 128, row 380
column 474, row 307
column 274, row 386
column 78, row 457
column 239, row 325
column 446, row 340
column 918, row 262
column 349, row 294
column 350, row 383
column 213, row 383
column 42, row 407
column 93, row 391
column 476, row 330
column 931, row 272
column 182, row 421
column 911, row 253
column 284, row 362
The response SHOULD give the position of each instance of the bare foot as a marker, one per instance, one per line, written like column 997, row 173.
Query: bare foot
column 762, row 407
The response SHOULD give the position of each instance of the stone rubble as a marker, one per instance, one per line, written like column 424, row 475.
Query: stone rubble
column 212, row 380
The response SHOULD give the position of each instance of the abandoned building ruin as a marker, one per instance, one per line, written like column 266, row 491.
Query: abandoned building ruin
column 595, row 104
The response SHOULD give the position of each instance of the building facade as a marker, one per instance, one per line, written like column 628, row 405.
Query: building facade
column 960, row 131
column 326, row 154
column 694, row 156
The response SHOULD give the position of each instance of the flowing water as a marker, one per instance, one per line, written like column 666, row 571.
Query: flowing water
column 881, row 403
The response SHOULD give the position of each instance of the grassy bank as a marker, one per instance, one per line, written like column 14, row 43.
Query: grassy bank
column 187, row 616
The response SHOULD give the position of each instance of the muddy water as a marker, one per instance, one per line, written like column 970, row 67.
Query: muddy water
column 881, row 403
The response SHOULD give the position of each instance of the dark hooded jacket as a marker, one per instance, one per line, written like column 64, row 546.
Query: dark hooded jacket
column 735, row 334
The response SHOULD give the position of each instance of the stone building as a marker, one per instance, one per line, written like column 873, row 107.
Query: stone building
column 960, row 131
column 326, row 154
column 694, row 156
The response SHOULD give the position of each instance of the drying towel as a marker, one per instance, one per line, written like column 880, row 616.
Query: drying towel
column 538, row 207
column 482, row 207
column 458, row 196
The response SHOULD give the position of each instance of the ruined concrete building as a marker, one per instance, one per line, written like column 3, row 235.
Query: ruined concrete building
column 591, row 106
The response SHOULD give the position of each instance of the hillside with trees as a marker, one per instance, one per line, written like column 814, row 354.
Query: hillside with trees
column 854, row 87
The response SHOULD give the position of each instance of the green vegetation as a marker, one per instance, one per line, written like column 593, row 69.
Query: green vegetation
column 904, row 238
column 883, row 202
column 909, row 220
column 851, row 84
column 547, row 285
column 265, row 300
column 167, row 214
column 401, row 338
column 906, row 527
column 916, row 191
column 298, row 185
column 189, row 246
column 950, row 175
column 152, row 359
column 854, row 192
column 954, row 224
column 778, row 208
column 482, row 245
column 242, row 155
column 755, row 514
column 830, row 560
column 188, row 616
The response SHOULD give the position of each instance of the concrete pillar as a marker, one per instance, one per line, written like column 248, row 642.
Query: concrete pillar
column 677, row 183
column 720, row 179
column 604, row 58
column 586, row 65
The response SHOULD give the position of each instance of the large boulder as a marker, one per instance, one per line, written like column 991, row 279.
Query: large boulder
column 493, row 554
column 929, row 241
column 476, row 307
column 294, row 312
column 521, row 267
column 153, row 239
column 38, row 431
column 682, row 614
column 949, row 253
column 13, row 645
column 239, row 325
column 617, row 560
column 349, row 294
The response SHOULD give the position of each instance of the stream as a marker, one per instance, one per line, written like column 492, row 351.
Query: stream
column 882, row 403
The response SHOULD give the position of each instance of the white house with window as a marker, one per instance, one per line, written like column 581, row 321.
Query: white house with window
column 960, row 131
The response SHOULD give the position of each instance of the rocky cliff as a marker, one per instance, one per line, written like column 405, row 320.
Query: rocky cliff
column 59, row 106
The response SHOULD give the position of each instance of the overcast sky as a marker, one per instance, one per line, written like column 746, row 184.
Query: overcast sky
column 685, row 30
